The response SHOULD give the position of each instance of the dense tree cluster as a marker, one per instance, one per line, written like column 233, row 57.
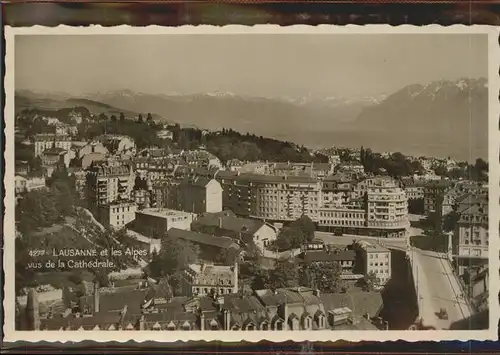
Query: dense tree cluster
column 396, row 165
column 173, row 258
column 293, row 235
column 145, row 134
column 325, row 276
column 476, row 172
column 42, row 208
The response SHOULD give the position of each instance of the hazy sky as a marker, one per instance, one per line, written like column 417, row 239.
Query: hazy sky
column 257, row 65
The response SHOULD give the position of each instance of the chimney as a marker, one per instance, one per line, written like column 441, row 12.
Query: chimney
column 227, row 320
column 142, row 323
column 202, row 321
column 32, row 311
column 235, row 276
column 96, row 297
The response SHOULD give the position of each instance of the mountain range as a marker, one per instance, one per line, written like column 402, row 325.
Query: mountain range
column 443, row 118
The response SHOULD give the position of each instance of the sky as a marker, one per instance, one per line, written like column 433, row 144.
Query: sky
column 281, row 65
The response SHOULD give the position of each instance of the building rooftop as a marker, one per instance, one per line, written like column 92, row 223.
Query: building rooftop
column 203, row 239
column 163, row 212
column 372, row 247
column 227, row 220
column 360, row 303
column 303, row 295
column 312, row 256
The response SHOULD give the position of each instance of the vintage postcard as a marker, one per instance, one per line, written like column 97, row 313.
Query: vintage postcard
column 248, row 183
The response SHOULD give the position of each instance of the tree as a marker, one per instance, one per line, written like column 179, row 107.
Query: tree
column 122, row 117
column 113, row 118
column 289, row 238
column 440, row 170
column 228, row 256
column 371, row 281
column 306, row 226
column 140, row 119
column 324, row 276
column 284, row 274
column 175, row 255
column 149, row 118
column 35, row 166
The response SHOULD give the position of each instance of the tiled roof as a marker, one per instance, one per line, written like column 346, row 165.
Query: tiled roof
column 230, row 222
column 200, row 238
column 116, row 301
column 324, row 256
column 300, row 295
column 102, row 319
column 360, row 303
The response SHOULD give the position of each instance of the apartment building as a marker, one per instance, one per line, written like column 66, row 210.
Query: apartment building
column 109, row 183
column 376, row 260
column 337, row 189
column 116, row 214
column 415, row 189
column 472, row 235
column 45, row 141
column 200, row 195
column 207, row 278
column 279, row 198
column 434, row 196
column 386, row 207
column 155, row 222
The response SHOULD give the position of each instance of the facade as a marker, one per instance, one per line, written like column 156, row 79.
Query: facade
column 155, row 222
column 45, row 141
column 109, row 183
column 117, row 214
column 206, row 279
column 472, row 234
column 55, row 156
column 434, row 196
column 200, row 195
column 27, row 184
column 278, row 198
column 142, row 198
column 376, row 206
column 376, row 260
column 387, row 207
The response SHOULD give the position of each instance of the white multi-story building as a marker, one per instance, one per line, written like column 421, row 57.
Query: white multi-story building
column 117, row 214
column 45, row 141
column 376, row 260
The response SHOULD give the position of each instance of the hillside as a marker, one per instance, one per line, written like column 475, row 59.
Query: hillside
column 54, row 102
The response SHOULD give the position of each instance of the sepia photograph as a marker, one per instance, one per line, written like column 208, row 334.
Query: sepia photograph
column 251, row 179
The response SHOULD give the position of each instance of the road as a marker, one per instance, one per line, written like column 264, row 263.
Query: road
column 438, row 287
column 330, row 238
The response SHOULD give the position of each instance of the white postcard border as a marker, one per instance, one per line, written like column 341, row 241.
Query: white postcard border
column 230, row 336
